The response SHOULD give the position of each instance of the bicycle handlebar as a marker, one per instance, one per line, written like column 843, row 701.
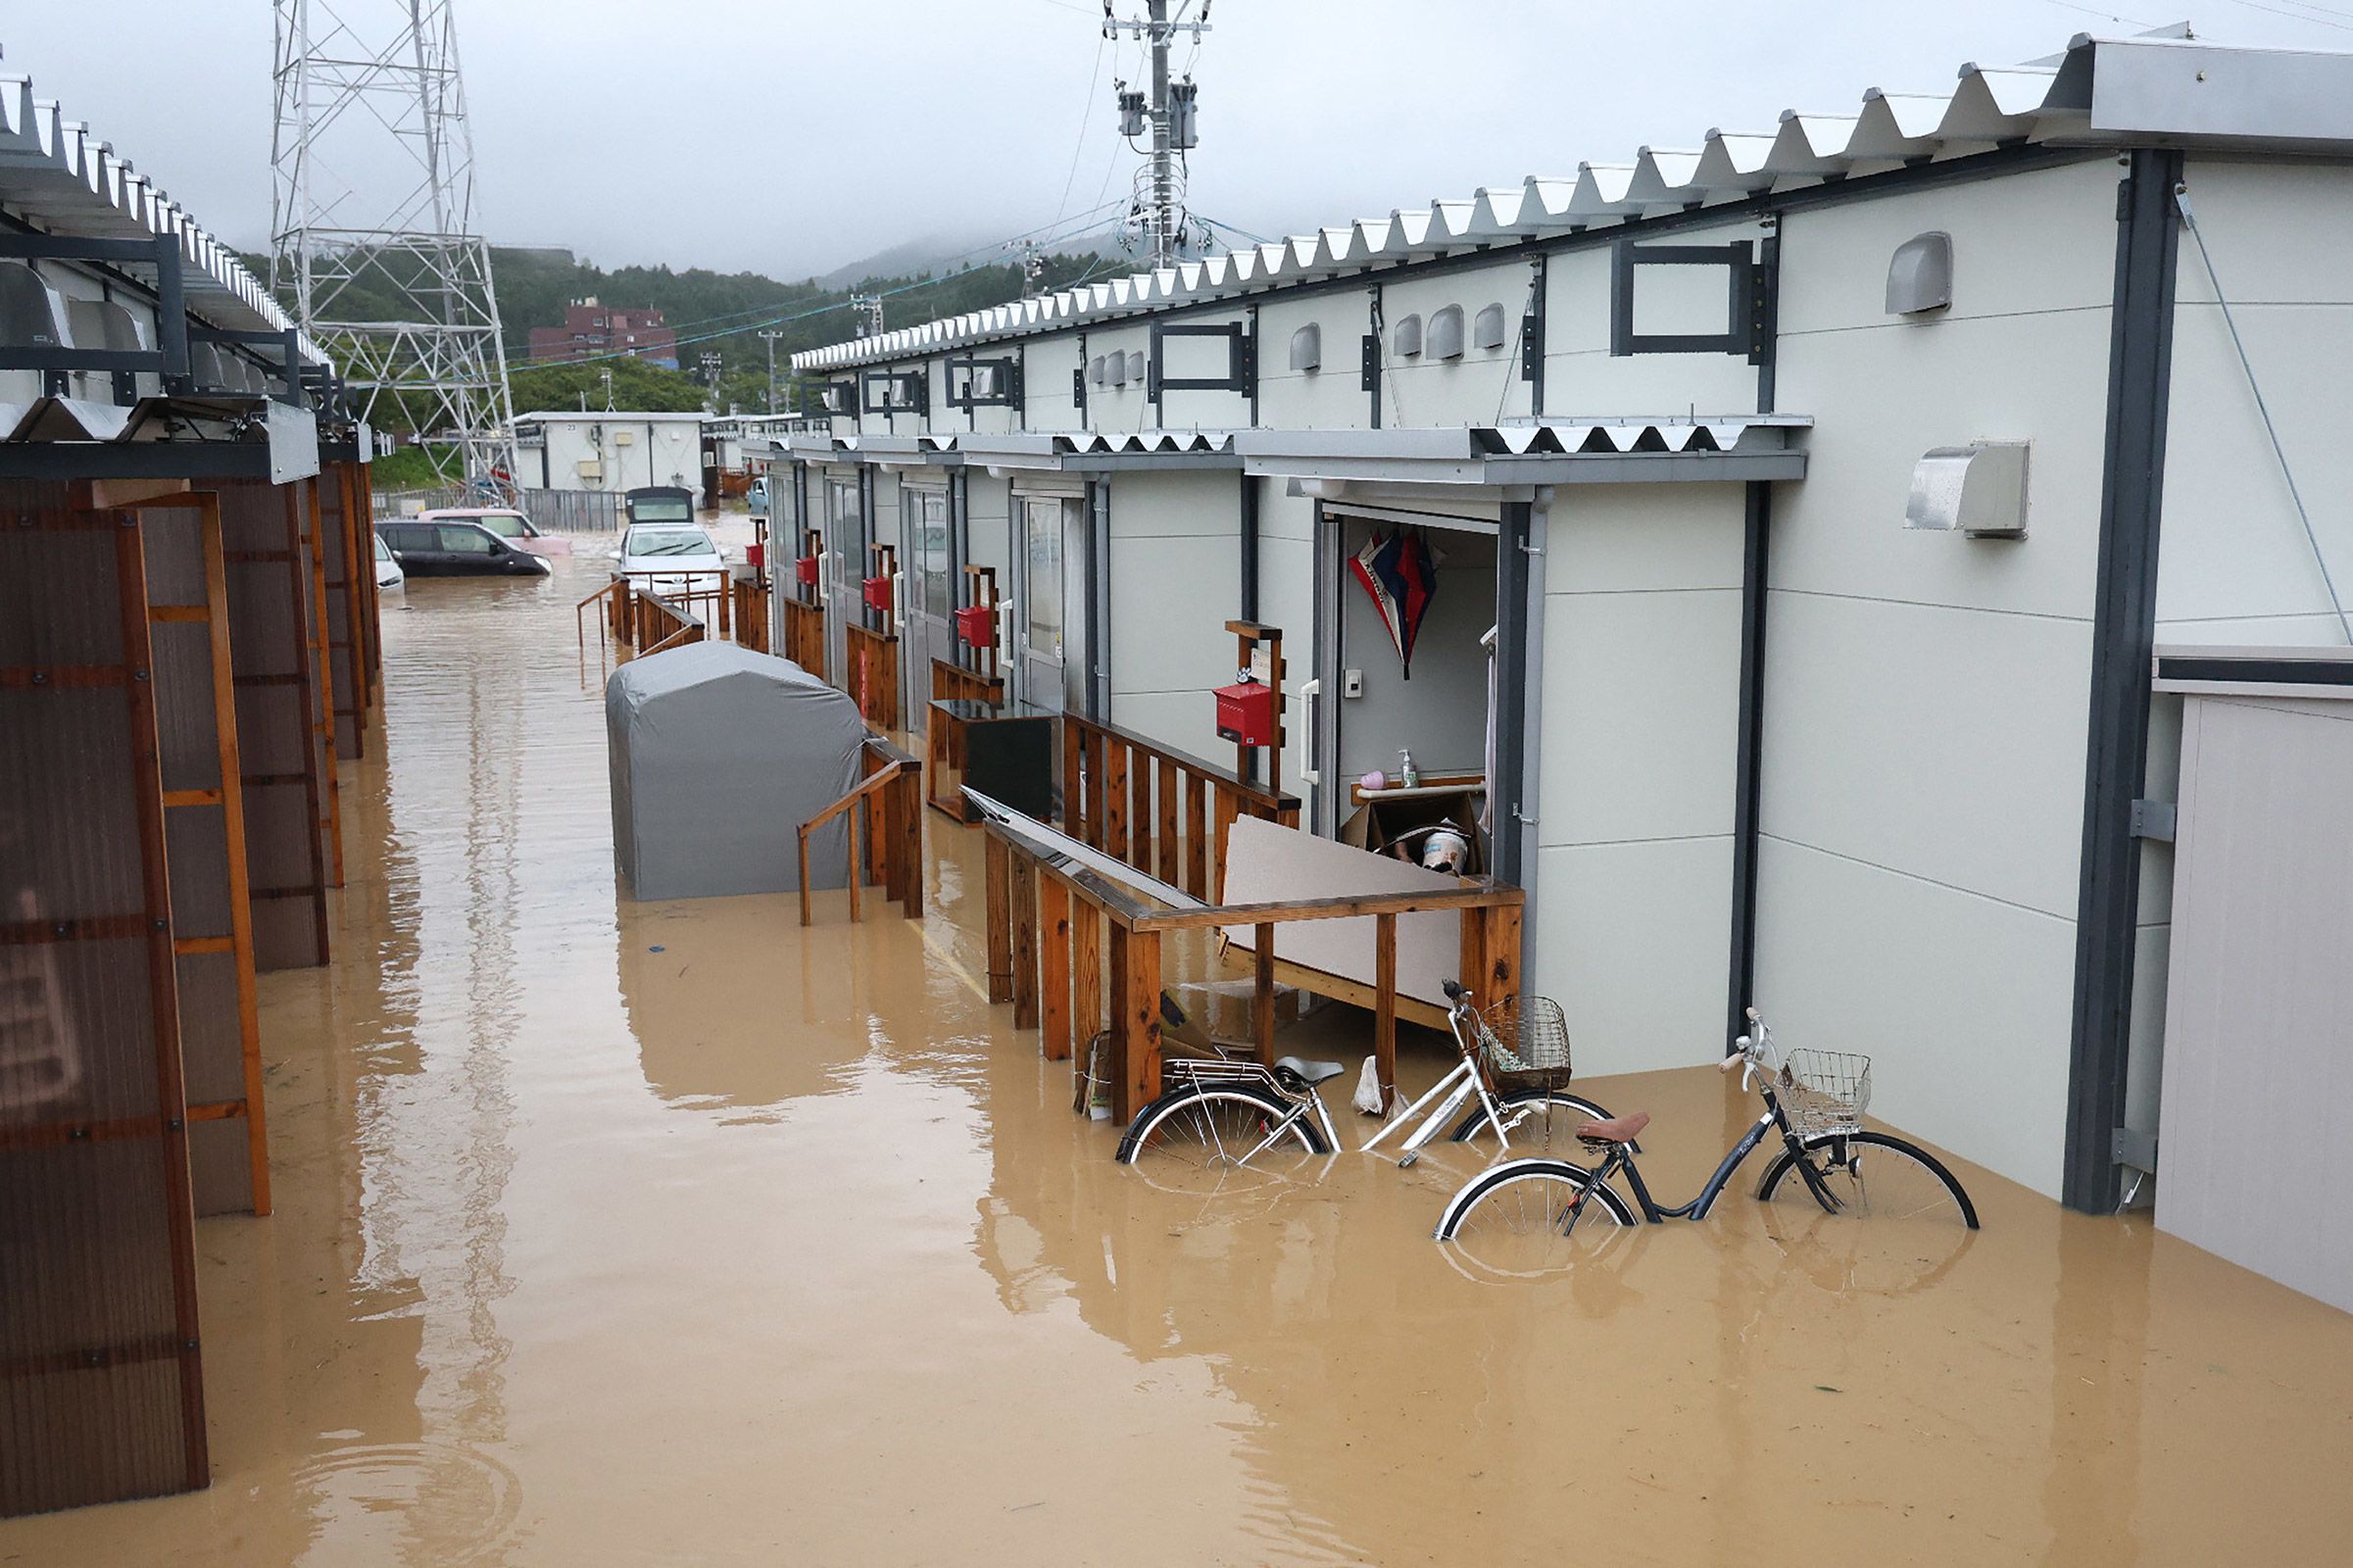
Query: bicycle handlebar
column 1454, row 990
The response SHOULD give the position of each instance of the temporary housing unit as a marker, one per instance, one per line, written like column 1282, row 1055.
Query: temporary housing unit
column 188, row 651
column 718, row 754
column 616, row 452
column 1826, row 492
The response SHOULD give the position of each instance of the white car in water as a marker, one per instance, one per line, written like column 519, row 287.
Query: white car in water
column 389, row 578
column 670, row 557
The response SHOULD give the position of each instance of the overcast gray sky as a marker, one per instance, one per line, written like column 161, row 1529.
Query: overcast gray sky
column 791, row 138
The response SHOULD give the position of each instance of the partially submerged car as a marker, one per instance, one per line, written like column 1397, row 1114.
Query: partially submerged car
column 456, row 548
column 507, row 523
column 389, row 577
column 669, row 557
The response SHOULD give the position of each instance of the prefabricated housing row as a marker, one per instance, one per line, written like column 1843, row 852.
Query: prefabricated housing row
column 188, row 651
column 1830, row 493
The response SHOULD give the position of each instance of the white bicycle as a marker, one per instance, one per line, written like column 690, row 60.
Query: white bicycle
column 1215, row 1118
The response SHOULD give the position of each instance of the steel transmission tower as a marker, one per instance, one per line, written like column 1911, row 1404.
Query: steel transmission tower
column 373, row 234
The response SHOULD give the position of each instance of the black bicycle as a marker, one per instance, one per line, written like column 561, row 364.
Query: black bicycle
column 1526, row 1216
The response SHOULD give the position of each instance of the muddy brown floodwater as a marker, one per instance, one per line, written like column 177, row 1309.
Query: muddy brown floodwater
column 616, row 1232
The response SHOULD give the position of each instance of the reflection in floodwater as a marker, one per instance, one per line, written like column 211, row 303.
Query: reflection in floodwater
column 780, row 1246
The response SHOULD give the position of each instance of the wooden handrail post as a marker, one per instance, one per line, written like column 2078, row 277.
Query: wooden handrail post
column 1262, row 994
column 997, row 877
column 851, row 817
column 911, row 838
column 804, row 874
column 1053, row 967
column 1471, row 967
column 1025, row 942
column 1086, row 978
column 1385, row 1006
column 1197, row 836
column 1165, row 816
column 1135, row 1020
column 1115, row 799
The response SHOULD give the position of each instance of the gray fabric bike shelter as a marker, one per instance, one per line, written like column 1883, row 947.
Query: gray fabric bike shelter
column 718, row 754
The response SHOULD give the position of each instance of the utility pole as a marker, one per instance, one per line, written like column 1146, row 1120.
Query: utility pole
column 1169, row 116
column 769, row 336
column 869, row 309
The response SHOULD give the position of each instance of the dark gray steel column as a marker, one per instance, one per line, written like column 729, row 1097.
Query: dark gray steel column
column 1511, row 689
column 1250, row 548
column 2123, row 635
column 1756, row 548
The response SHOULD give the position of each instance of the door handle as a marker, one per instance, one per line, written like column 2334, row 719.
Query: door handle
column 898, row 601
column 1312, row 698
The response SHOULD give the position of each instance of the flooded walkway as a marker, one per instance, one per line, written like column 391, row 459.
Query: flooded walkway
column 674, row 1234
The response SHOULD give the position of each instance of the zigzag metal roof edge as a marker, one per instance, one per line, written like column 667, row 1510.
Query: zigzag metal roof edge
column 62, row 177
column 2062, row 101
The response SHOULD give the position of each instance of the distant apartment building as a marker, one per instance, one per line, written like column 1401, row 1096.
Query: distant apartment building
column 591, row 328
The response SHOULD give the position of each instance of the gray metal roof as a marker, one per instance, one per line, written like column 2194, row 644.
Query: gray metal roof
column 55, row 173
column 2101, row 91
column 1549, row 451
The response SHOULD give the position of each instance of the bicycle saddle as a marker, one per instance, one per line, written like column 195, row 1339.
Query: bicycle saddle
column 1616, row 1130
column 1310, row 1072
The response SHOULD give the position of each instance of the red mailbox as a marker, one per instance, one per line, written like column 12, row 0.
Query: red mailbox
column 878, row 595
column 977, row 624
column 756, row 556
column 1246, row 714
column 804, row 570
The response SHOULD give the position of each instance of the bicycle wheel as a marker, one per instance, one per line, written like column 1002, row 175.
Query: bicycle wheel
column 1537, row 1120
column 1875, row 1176
column 1514, row 1220
column 1215, row 1140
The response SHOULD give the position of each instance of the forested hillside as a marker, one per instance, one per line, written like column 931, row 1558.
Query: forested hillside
column 721, row 312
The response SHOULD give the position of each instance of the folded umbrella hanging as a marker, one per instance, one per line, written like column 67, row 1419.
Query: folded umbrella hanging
column 1400, row 571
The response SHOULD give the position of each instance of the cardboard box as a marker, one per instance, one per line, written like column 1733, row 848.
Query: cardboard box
column 1378, row 824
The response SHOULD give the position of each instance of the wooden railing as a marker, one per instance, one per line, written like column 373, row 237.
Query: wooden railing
column 749, row 609
column 952, row 682
column 889, row 803
column 1052, row 924
column 706, row 595
column 637, row 618
column 613, row 614
column 657, row 623
column 872, row 678
column 804, row 635
column 1156, row 809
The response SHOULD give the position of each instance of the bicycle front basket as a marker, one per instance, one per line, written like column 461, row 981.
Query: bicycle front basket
column 1525, row 1044
column 1824, row 1092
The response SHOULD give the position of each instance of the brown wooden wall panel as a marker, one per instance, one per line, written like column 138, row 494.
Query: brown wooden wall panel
column 101, row 1393
column 220, row 1043
column 338, row 537
column 282, row 760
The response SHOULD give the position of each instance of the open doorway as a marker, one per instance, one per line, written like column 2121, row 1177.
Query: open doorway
column 1385, row 705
